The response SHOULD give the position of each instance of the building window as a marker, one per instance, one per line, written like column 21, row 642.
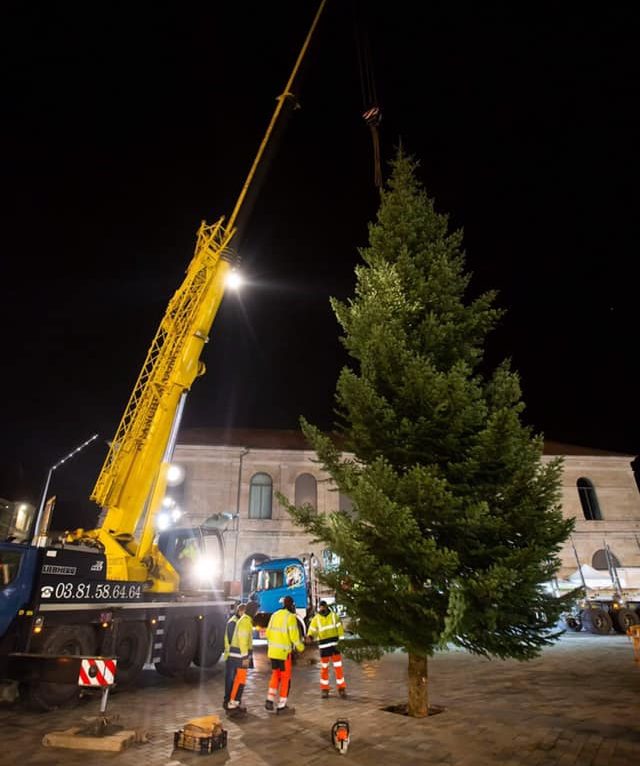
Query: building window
column 345, row 503
column 330, row 560
column 599, row 560
column 260, row 496
column 589, row 500
column 307, row 491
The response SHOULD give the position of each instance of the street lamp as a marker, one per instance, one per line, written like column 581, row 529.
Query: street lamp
column 236, row 530
column 36, row 528
column 245, row 451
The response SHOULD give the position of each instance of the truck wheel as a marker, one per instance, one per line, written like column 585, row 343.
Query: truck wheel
column 623, row 619
column 63, row 639
column 210, row 644
column 178, row 647
column 573, row 623
column 131, row 650
column 596, row 621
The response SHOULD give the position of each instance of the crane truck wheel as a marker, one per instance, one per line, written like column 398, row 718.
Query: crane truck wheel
column 210, row 644
column 597, row 621
column 178, row 648
column 574, row 624
column 62, row 639
column 623, row 619
column 131, row 649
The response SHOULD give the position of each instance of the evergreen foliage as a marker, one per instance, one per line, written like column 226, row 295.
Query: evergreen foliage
column 455, row 525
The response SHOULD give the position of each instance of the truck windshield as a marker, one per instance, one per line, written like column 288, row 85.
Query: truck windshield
column 269, row 579
column 9, row 565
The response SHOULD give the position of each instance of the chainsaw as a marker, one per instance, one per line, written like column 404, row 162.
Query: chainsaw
column 340, row 735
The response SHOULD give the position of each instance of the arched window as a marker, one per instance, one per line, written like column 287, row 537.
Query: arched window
column 599, row 560
column 589, row 500
column 260, row 496
column 307, row 491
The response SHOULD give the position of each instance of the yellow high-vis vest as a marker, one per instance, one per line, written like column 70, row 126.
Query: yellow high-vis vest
column 241, row 641
column 326, row 628
column 283, row 635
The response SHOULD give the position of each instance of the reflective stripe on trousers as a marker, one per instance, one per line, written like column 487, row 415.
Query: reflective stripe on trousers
column 239, row 683
column 337, row 669
column 280, row 681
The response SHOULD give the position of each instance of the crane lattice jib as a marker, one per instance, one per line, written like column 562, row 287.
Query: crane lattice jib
column 131, row 480
column 171, row 365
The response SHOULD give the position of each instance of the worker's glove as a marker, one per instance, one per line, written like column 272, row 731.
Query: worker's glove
column 308, row 640
column 245, row 662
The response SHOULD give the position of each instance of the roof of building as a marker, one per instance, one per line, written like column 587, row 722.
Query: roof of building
column 271, row 438
column 560, row 448
column 256, row 438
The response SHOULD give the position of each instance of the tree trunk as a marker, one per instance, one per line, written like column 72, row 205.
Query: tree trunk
column 418, row 706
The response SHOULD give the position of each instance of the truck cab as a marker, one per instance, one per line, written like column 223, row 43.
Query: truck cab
column 17, row 566
column 270, row 582
column 196, row 554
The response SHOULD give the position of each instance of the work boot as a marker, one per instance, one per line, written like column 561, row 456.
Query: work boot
column 342, row 692
column 286, row 710
column 324, row 693
column 268, row 705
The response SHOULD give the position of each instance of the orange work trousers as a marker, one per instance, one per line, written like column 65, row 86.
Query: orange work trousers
column 280, row 681
column 335, row 657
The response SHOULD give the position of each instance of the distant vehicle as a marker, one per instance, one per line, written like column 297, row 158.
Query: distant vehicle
column 610, row 598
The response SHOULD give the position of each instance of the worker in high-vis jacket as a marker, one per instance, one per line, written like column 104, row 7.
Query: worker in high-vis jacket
column 326, row 627
column 283, row 636
column 238, row 647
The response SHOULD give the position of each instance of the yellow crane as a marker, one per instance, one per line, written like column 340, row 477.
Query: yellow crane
column 111, row 591
column 132, row 482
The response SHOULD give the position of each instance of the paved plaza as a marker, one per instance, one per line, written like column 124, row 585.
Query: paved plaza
column 579, row 703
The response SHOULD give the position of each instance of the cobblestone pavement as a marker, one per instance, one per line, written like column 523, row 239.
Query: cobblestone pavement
column 577, row 704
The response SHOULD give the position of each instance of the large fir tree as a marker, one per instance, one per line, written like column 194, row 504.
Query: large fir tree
column 455, row 526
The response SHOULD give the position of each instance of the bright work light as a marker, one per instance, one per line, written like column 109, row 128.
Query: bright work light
column 175, row 475
column 234, row 279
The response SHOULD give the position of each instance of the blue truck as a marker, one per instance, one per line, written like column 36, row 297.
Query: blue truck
column 274, row 579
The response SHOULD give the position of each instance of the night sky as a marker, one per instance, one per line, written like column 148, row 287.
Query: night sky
column 125, row 124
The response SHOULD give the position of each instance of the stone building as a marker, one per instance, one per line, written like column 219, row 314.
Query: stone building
column 16, row 518
column 599, row 490
column 230, row 478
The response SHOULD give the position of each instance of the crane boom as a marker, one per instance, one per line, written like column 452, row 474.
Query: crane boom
column 132, row 481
